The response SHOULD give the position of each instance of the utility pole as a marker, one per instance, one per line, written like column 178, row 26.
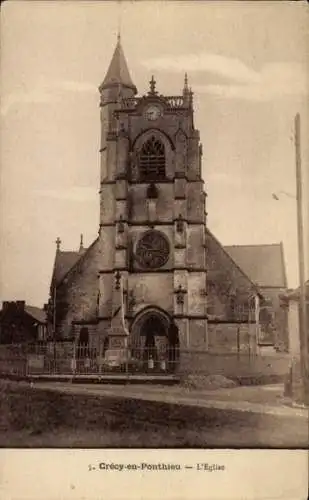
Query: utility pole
column 54, row 322
column 303, row 334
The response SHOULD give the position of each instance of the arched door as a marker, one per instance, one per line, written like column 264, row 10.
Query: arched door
column 150, row 339
column 155, row 344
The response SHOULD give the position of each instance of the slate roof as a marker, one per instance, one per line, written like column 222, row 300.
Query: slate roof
column 118, row 71
column 64, row 261
column 230, row 262
column 36, row 313
column 264, row 264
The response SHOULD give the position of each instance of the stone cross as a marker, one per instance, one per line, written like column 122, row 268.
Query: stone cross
column 58, row 243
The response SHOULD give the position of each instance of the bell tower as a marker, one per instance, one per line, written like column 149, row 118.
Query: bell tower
column 116, row 86
column 152, row 210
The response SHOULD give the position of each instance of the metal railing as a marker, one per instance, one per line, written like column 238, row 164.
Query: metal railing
column 172, row 102
column 73, row 360
column 86, row 360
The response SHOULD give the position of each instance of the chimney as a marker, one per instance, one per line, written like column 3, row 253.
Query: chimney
column 20, row 305
column 5, row 305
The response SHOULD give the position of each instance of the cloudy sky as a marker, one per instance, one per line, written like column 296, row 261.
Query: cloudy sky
column 248, row 67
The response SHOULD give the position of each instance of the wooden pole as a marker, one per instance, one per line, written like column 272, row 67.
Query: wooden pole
column 303, row 334
column 54, row 325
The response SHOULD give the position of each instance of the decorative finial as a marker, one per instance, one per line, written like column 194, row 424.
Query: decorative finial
column 81, row 245
column 186, row 88
column 152, row 86
column 58, row 243
column 185, row 91
column 118, row 36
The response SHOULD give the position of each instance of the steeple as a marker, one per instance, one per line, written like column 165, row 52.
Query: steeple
column 118, row 72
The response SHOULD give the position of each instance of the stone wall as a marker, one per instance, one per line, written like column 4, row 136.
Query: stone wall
column 197, row 334
column 237, row 366
column 278, row 333
column 152, row 289
column 230, row 337
column 77, row 295
column 224, row 280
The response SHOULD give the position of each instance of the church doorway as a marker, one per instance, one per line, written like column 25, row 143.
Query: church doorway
column 155, row 341
column 154, row 332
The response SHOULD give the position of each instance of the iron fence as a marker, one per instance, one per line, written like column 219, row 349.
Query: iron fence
column 85, row 360
column 73, row 360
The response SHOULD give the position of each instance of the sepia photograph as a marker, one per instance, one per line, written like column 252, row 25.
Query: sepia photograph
column 154, row 274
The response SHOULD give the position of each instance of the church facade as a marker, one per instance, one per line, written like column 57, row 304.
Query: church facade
column 155, row 264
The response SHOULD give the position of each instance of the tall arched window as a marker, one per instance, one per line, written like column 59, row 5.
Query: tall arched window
column 152, row 160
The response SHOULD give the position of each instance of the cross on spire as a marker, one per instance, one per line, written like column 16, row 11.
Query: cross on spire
column 58, row 243
column 152, row 84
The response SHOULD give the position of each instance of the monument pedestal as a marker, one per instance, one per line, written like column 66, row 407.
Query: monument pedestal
column 117, row 353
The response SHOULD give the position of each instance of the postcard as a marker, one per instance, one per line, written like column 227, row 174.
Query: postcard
column 154, row 250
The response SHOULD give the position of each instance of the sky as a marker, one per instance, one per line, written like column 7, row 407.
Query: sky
column 248, row 66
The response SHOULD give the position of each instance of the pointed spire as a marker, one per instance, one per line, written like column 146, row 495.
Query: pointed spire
column 81, row 245
column 118, row 72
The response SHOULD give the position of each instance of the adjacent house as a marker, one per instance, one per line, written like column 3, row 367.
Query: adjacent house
column 21, row 323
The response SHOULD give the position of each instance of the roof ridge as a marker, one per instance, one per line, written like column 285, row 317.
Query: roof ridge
column 36, row 307
column 70, row 251
column 255, row 245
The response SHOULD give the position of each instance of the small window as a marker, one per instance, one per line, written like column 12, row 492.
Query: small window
column 152, row 160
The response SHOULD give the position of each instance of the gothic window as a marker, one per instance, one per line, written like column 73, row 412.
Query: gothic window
column 152, row 160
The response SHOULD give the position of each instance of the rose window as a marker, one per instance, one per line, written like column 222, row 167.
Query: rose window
column 152, row 250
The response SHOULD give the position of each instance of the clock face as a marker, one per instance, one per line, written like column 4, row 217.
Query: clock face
column 153, row 112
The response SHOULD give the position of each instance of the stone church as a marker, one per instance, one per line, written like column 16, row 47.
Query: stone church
column 154, row 263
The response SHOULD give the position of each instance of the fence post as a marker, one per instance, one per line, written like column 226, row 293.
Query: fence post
column 73, row 363
column 127, row 361
column 100, row 358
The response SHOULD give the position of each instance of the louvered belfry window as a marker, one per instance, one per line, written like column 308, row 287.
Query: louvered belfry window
column 152, row 160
